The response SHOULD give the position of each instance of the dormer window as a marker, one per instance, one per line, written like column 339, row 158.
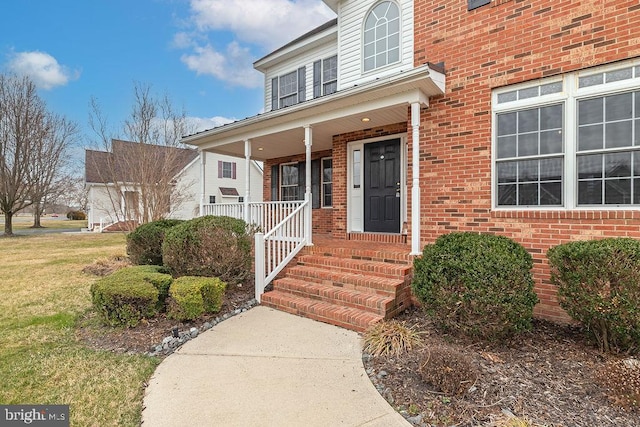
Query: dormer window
column 381, row 36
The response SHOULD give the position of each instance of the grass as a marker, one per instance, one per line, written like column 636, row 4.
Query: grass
column 24, row 222
column 43, row 293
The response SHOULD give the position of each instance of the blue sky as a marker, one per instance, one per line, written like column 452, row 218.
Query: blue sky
column 199, row 52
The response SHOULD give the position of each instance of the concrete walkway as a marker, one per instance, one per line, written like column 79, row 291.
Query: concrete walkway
column 267, row 368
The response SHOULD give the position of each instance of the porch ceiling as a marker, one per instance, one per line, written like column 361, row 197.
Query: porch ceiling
column 280, row 133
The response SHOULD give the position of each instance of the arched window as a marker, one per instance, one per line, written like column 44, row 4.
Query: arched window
column 382, row 36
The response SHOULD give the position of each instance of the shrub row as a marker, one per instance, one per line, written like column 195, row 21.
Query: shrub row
column 133, row 293
column 480, row 285
column 211, row 246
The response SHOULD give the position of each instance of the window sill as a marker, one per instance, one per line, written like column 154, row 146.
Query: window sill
column 594, row 214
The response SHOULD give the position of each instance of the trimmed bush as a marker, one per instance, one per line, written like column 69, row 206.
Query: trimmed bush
column 599, row 286
column 144, row 244
column 76, row 215
column 129, row 295
column 190, row 297
column 479, row 285
column 212, row 246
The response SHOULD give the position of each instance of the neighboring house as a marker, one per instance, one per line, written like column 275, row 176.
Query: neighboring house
column 121, row 167
column 403, row 120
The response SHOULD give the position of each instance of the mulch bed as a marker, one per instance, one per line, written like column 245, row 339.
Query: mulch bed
column 546, row 375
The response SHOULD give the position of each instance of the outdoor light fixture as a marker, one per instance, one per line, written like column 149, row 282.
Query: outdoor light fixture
column 176, row 332
column 260, row 148
column 366, row 119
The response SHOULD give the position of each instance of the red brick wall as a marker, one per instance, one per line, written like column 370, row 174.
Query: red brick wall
column 507, row 42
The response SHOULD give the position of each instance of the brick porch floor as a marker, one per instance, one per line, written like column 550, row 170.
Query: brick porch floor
column 347, row 283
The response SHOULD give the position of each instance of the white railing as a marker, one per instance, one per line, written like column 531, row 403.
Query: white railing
column 104, row 223
column 264, row 215
column 277, row 247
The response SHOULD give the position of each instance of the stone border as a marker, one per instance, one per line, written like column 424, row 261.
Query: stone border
column 171, row 343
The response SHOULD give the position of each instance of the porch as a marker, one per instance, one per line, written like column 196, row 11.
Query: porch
column 348, row 283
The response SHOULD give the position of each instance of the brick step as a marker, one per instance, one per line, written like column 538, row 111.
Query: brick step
column 371, row 252
column 383, row 269
column 378, row 304
column 345, row 317
column 344, row 280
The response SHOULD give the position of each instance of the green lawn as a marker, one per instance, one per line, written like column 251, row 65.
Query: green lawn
column 43, row 292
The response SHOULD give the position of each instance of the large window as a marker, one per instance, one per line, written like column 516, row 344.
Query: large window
column 570, row 143
column 226, row 169
column 381, row 37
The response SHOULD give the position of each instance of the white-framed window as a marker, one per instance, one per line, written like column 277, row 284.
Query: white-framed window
column 288, row 89
column 569, row 142
column 226, row 169
column 325, row 76
column 326, row 177
column 381, row 36
column 289, row 182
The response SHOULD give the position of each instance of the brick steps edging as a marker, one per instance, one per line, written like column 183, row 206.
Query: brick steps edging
column 356, row 281
column 345, row 317
column 350, row 265
column 373, row 303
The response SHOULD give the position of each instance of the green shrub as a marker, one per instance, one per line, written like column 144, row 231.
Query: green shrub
column 130, row 294
column 599, row 285
column 76, row 215
column 190, row 297
column 144, row 244
column 479, row 285
column 212, row 246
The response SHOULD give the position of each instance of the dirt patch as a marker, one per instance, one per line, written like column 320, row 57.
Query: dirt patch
column 548, row 376
column 151, row 332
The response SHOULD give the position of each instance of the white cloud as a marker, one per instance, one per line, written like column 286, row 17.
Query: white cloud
column 42, row 68
column 256, row 27
column 202, row 123
column 234, row 66
column 266, row 23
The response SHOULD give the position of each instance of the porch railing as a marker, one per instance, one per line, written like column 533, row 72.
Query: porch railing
column 282, row 231
column 274, row 249
column 264, row 215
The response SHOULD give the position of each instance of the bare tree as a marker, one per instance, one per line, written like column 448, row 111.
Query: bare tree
column 32, row 142
column 140, row 174
column 47, row 170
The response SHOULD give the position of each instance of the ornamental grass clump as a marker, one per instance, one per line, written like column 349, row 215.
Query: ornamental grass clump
column 598, row 285
column 391, row 338
column 478, row 285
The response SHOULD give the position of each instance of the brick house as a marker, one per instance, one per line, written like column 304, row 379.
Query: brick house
column 526, row 119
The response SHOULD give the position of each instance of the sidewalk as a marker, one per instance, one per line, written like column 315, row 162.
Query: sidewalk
column 267, row 368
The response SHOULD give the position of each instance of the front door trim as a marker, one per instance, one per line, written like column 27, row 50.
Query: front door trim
column 355, row 196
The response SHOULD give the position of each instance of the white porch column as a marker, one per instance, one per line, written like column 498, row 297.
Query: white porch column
column 415, row 175
column 308, row 141
column 247, row 180
column 203, row 187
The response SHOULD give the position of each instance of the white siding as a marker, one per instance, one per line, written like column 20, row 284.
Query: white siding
column 306, row 59
column 351, row 15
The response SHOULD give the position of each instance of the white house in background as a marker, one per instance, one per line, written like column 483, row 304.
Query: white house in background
column 225, row 181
